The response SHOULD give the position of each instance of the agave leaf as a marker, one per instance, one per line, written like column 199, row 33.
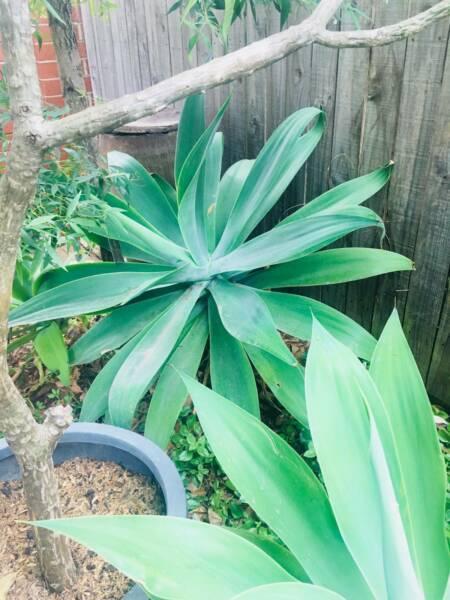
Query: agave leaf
column 338, row 265
column 229, row 190
column 52, row 350
column 95, row 403
column 405, row 425
column 83, row 296
column 348, row 194
column 293, row 315
column 190, row 129
column 288, row 591
column 135, row 375
column 55, row 277
column 245, row 316
column 168, row 190
column 118, row 226
column 341, row 397
column 278, row 552
column 275, row 167
column 118, row 327
column 195, row 216
column 231, row 371
column 195, row 160
column 281, row 488
column 170, row 392
column 146, row 548
column 212, row 170
column 290, row 241
column 400, row 575
column 286, row 383
column 145, row 195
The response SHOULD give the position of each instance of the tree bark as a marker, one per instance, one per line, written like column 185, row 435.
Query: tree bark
column 74, row 88
column 31, row 443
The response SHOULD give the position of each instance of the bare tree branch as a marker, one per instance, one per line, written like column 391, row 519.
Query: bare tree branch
column 385, row 35
column 244, row 61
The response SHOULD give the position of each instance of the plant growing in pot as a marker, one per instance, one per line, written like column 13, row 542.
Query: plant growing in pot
column 374, row 530
column 193, row 273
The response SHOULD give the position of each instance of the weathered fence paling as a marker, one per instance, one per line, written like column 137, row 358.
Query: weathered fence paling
column 384, row 103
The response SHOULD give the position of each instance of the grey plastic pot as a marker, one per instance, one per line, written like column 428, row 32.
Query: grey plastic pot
column 130, row 450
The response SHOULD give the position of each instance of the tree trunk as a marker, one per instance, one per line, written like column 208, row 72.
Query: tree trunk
column 70, row 65
column 31, row 443
column 74, row 89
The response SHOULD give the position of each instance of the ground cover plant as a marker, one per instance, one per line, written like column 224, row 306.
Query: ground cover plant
column 376, row 530
column 200, row 276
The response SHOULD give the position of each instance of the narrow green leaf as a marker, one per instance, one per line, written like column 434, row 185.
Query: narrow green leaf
column 229, row 189
column 196, row 157
column 227, row 18
column 336, row 389
column 170, row 392
column 291, row 241
column 55, row 277
column 52, row 350
column 95, row 403
column 118, row 226
column 211, row 181
column 275, row 550
column 409, row 437
column 245, row 316
column 293, row 315
column 83, row 296
column 137, row 372
column 190, row 129
column 288, row 591
column 286, row 383
column 281, row 488
column 351, row 193
column 275, row 167
column 231, row 372
column 174, row 558
column 118, row 327
column 168, row 190
column 145, row 195
column 338, row 265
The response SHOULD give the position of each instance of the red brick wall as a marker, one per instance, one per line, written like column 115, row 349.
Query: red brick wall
column 47, row 65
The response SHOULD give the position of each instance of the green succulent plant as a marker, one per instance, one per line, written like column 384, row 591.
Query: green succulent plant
column 375, row 529
column 192, row 273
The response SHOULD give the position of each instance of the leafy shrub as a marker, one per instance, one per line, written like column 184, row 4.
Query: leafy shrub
column 198, row 277
column 377, row 531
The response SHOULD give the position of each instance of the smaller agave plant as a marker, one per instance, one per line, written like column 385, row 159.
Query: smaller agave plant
column 192, row 273
column 371, row 528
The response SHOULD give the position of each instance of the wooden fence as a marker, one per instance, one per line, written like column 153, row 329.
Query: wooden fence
column 384, row 103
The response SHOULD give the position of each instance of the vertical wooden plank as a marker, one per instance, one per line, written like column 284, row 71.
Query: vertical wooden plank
column 408, row 196
column 347, row 126
column 438, row 381
column 377, row 140
column 155, row 41
column 432, row 252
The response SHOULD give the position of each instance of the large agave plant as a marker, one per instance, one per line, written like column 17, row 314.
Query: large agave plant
column 374, row 532
column 194, row 273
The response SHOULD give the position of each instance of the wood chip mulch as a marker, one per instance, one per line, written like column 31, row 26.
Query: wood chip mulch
column 87, row 487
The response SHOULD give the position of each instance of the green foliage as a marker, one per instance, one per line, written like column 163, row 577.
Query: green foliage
column 203, row 17
column 198, row 275
column 376, row 530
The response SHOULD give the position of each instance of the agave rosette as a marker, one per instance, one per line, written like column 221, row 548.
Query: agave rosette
column 192, row 273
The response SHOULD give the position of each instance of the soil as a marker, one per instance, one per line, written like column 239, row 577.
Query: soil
column 88, row 487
